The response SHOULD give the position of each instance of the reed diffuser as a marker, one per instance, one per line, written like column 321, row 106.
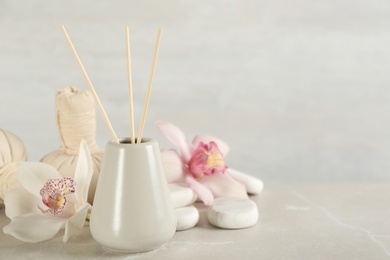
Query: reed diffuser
column 132, row 210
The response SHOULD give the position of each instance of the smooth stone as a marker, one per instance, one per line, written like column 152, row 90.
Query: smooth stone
column 233, row 213
column 181, row 195
column 252, row 184
column 187, row 217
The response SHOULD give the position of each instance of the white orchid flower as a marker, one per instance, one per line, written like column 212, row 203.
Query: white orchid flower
column 47, row 201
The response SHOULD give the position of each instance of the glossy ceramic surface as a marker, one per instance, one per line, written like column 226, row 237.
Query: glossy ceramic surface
column 132, row 210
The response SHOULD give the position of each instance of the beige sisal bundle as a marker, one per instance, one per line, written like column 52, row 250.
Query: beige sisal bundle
column 75, row 121
column 11, row 151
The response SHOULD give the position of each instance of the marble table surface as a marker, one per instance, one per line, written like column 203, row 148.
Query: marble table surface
column 296, row 222
column 298, row 89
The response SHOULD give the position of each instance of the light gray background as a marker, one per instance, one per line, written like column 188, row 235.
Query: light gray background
column 300, row 90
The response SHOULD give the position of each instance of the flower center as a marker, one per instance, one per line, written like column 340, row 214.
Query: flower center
column 214, row 160
column 53, row 194
column 206, row 159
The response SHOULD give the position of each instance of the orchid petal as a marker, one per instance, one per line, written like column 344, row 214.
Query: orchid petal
column 203, row 193
column 173, row 165
column 20, row 202
column 83, row 174
column 33, row 175
column 224, row 185
column 34, row 228
column 176, row 137
column 222, row 146
column 75, row 223
column 68, row 211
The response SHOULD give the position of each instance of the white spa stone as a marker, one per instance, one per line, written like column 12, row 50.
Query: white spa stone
column 253, row 185
column 233, row 213
column 187, row 217
column 181, row 195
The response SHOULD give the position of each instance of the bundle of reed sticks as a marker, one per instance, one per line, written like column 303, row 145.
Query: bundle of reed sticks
column 130, row 88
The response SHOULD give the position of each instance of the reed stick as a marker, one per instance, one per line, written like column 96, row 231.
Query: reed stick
column 90, row 86
column 147, row 99
column 130, row 86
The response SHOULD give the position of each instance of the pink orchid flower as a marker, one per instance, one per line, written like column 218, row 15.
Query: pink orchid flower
column 200, row 164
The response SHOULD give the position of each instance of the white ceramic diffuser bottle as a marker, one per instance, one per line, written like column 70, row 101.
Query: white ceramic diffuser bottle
column 132, row 210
